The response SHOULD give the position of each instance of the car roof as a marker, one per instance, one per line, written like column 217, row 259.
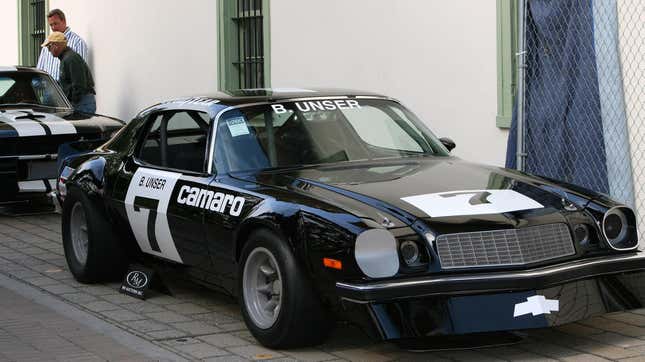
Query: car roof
column 278, row 94
column 258, row 95
column 20, row 69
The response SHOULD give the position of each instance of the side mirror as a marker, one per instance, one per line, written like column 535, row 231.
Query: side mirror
column 448, row 143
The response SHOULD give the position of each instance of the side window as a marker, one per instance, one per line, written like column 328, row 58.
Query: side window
column 151, row 148
column 187, row 121
column 176, row 140
column 238, row 144
column 5, row 84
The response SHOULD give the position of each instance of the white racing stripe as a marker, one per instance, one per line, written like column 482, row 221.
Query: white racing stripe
column 26, row 127
column 58, row 125
column 29, row 127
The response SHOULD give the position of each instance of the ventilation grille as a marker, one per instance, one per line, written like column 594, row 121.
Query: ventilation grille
column 504, row 247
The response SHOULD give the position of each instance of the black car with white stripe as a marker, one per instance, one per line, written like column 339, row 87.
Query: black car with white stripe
column 312, row 205
column 35, row 119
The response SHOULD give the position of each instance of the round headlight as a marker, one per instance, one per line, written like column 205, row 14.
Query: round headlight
column 614, row 225
column 619, row 228
column 581, row 233
column 409, row 252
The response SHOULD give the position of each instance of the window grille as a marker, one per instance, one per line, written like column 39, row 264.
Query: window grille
column 250, row 44
column 37, row 29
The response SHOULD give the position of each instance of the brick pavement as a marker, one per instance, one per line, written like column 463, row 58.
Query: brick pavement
column 196, row 323
column 32, row 332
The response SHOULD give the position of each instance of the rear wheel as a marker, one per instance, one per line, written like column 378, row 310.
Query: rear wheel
column 91, row 248
column 278, row 304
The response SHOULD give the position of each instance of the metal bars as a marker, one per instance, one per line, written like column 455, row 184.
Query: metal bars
column 250, row 43
column 37, row 28
column 521, row 63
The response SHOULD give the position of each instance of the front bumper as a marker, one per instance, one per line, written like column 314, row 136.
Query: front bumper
column 461, row 304
column 26, row 177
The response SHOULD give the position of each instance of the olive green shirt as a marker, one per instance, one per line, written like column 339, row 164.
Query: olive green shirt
column 75, row 76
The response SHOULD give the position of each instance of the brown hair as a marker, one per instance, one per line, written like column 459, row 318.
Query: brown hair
column 57, row 12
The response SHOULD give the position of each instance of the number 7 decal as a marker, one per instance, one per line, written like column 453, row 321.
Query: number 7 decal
column 150, row 204
column 146, row 205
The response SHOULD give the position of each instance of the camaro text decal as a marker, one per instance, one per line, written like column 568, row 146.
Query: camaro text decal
column 210, row 200
column 471, row 202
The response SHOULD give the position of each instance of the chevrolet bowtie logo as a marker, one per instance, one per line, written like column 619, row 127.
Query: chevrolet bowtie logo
column 536, row 305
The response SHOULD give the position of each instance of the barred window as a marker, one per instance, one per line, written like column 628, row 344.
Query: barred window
column 243, row 45
column 33, row 29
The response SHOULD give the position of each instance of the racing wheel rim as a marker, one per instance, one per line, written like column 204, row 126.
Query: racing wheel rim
column 262, row 287
column 78, row 231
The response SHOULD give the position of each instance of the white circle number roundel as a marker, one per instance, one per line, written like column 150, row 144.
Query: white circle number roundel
column 471, row 202
column 376, row 253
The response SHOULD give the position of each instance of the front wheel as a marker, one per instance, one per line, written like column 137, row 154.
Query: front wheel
column 92, row 250
column 279, row 306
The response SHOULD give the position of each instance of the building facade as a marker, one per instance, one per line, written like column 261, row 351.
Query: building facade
column 440, row 58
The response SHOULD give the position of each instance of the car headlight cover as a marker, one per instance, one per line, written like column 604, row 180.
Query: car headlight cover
column 619, row 228
column 376, row 253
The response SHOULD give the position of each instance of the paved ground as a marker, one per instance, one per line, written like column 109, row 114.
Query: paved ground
column 30, row 331
column 45, row 314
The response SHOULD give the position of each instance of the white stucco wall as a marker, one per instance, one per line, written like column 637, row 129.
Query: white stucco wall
column 436, row 56
column 145, row 51
column 9, row 32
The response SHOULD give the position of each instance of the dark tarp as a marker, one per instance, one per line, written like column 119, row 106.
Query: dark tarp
column 564, row 131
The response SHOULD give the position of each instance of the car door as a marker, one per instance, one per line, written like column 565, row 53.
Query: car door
column 168, row 161
column 237, row 146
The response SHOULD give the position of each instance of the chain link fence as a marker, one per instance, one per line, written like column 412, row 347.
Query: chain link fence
column 581, row 98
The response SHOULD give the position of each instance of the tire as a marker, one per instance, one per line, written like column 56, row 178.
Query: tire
column 298, row 318
column 102, row 258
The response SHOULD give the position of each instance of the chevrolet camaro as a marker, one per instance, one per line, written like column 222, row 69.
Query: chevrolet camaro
column 317, row 205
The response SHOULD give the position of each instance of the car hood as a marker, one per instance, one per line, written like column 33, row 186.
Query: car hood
column 445, row 192
column 29, row 122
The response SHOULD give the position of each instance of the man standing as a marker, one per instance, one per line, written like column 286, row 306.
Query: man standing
column 75, row 76
column 57, row 22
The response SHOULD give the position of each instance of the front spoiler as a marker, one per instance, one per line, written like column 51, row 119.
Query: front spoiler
column 463, row 304
column 478, row 283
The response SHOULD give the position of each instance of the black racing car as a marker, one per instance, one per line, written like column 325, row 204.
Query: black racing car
column 309, row 205
column 35, row 119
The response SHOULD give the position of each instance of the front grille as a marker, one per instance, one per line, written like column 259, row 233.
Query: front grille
column 504, row 247
column 39, row 145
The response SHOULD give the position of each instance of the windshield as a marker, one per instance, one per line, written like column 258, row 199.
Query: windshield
column 26, row 88
column 326, row 131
